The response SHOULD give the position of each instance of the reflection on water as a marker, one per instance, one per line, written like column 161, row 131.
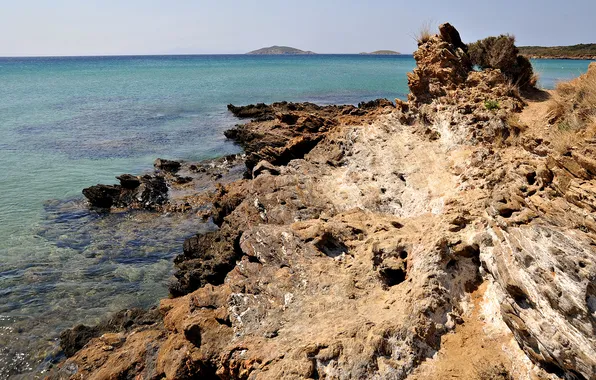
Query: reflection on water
column 99, row 264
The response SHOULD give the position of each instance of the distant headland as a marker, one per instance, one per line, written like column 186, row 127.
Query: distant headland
column 580, row 51
column 280, row 50
column 287, row 50
column 382, row 52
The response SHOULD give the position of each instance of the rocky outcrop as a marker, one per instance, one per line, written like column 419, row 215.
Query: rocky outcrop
column 134, row 191
column 167, row 165
column 286, row 131
column 441, row 66
column 452, row 100
column 173, row 186
column 268, row 144
column 362, row 252
column 542, row 222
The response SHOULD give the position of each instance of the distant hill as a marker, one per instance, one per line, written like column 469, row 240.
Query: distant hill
column 280, row 50
column 581, row 51
column 382, row 52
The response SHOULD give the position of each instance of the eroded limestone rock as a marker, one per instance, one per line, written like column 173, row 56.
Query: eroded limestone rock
column 359, row 253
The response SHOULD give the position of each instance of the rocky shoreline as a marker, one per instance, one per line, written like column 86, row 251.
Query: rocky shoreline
column 352, row 242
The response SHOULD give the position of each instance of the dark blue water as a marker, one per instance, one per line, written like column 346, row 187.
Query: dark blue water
column 68, row 123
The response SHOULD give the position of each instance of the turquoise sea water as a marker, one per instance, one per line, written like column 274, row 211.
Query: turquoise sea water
column 68, row 123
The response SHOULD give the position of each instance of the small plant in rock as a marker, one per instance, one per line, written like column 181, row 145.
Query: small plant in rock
column 491, row 105
column 563, row 126
column 424, row 33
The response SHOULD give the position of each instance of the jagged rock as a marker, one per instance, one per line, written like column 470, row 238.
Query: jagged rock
column 72, row 340
column 167, row 165
column 133, row 192
column 446, row 92
column 376, row 104
column 288, row 118
column 167, row 190
column 264, row 167
column 441, row 67
column 450, row 35
column 102, row 196
column 128, row 181
column 259, row 111
column 207, row 259
column 288, row 138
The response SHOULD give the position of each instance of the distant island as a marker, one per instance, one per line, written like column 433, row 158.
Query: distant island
column 382, row 52
column 580, row 51
column 280, row 50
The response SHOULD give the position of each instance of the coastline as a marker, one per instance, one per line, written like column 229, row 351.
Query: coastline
column 564, row 57
column 291, row 249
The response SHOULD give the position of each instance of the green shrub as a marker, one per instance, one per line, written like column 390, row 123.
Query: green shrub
column 501, row 53
column 492, row 105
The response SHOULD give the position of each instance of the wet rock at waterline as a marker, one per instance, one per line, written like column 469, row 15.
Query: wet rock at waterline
column 174, row 186
column 145, row 192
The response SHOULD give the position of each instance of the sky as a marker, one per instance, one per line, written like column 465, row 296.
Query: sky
column 123, row 27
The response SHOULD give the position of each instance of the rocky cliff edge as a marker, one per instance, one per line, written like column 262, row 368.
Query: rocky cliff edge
column 442, row 237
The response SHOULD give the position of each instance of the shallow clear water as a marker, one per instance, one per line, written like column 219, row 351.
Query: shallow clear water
column 67, row 123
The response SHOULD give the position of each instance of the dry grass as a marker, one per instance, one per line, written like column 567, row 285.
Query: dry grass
column 572, row 132
column 572, row 112
column 563, row 141
column 512, row 89
column 534, row 79
column 575, row 99
column 493, row 372
column 424, row 33
column 515, row 124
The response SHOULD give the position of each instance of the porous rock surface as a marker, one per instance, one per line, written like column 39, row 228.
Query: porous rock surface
column 388, row 230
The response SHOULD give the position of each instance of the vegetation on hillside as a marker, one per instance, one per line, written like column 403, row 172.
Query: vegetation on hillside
column 382, row 52
column 279, row 50
column 574, row 51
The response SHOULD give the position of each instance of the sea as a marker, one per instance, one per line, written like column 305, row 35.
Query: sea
column 70, row 122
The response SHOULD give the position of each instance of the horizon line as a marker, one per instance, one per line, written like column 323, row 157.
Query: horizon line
column 189, row 54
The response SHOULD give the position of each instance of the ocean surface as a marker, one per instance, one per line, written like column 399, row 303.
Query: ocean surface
column 68, row 123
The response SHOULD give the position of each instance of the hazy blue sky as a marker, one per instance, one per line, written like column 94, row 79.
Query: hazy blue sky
column 96, row 27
